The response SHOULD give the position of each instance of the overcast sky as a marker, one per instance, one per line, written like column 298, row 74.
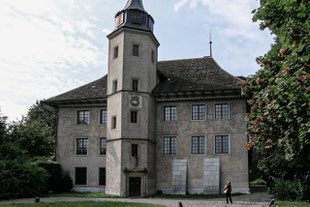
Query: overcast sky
column 48, row 47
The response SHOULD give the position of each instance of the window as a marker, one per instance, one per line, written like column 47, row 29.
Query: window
column 170, row 145
column 134, row 150
column 114, row 86
column 221, row 144
column 81, row 146
column 221, row 111
column 135, row 85
column 80, row 175
column 170, row 113
column 102, row 176
column 103, row 146
column 133, row 116
column 103, row 116
column 136, row 17
column 115, row 54
column 114, row 122
column 198, row 112
column 120, row 19
column 198, row 144
column 83, row 117
column 153, row 56
column 135, row 50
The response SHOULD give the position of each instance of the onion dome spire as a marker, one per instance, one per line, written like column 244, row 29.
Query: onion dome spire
column 134, row 4
column 134, row 16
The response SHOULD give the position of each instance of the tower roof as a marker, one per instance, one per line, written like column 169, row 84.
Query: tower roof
column 134, row 4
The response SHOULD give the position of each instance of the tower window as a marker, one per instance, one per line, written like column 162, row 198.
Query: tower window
column 153, row 56
column 120, row 19
column 114, row 86
column 135, row 85
column 113, row 122
column 103, row 146
column 134, row 150
column 103, row 116
column 136, row 17
column 134, row 116
column 136, row 50
column 115, row 54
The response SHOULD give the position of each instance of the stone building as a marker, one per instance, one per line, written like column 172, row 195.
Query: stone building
column 151, row 126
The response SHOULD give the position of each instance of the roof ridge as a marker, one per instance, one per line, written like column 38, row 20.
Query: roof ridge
column 186, row 59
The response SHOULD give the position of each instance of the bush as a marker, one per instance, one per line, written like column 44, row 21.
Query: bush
column 289, row 190
column 20, row 179
column 58, row 180
column 258, row 181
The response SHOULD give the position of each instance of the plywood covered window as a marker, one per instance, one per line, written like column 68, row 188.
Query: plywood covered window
column 222, row 144
column 170, row 145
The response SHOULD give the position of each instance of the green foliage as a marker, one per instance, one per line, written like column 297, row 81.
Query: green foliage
column 20, row 179
column 289, row 190
column 43, row 114
column 33, row 138
column 292, row 204
column 258, row 182
column 279, row 93
column 83, row 204
column 58, row 180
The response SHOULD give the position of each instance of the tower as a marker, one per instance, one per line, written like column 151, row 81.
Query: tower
column 130, row 160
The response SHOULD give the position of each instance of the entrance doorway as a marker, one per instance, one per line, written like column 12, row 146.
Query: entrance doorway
column 135, row 186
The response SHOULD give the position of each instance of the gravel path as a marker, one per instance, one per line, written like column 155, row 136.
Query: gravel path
column 258, row 199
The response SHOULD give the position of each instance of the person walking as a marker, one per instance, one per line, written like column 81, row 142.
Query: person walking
column 270, row 183
column 227, row 192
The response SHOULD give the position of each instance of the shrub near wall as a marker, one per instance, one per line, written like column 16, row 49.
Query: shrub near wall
column 58, row 180
column 20, row 179
column 289, row 190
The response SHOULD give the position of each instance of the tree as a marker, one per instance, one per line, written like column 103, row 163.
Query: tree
column 43, row 114
column 279, row 92
column 32, row 137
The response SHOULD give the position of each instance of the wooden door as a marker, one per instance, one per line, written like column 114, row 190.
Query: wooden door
column 135, row 186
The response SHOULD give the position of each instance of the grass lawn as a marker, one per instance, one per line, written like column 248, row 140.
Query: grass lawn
column 195, row 196
column 82, row 204
column 75, row 194
column 292, row 204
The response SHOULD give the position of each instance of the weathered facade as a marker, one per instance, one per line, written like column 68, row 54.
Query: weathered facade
column 151, row 126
